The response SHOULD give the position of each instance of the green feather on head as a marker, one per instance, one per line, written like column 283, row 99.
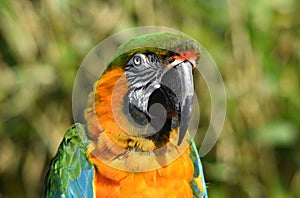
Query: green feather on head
column 159, row 43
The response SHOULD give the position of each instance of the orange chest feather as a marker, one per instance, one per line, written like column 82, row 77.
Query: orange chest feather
column 170, row 181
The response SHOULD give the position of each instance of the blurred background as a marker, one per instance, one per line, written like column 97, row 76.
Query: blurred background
column 256, row 45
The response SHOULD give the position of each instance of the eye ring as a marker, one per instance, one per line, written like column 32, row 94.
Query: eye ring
column 137, row 60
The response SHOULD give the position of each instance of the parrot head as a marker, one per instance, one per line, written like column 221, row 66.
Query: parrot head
column 146, row 92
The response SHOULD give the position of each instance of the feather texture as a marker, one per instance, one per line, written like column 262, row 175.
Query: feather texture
column 198, row 182
column 70, row 173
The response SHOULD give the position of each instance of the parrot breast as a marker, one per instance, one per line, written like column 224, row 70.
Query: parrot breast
column 170, row 181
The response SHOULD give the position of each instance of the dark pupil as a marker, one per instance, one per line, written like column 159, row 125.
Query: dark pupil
column 137, row 60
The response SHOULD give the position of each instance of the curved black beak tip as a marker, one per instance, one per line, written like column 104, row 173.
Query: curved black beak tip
column 185, row 117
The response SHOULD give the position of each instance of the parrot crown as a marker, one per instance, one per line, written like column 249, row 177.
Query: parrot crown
column 161, row 44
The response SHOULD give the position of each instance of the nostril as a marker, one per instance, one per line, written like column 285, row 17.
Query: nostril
column 171, row 59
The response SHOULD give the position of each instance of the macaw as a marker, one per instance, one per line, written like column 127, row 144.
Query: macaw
column 135, row 141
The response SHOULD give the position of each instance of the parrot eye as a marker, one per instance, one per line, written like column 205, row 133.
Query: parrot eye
column 137, row 60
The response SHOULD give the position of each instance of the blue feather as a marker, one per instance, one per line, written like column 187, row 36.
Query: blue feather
column 198, row 172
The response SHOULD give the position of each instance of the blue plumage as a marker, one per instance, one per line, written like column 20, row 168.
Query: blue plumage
column 198, row 173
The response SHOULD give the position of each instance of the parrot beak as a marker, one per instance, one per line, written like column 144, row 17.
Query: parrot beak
column 187, row 94
column 179, row 79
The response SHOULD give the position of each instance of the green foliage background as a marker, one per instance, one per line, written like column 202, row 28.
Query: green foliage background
column 255, row 44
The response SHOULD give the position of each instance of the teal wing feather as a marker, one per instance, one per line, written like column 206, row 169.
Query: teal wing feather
column 70, row 173
column 198, row 182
